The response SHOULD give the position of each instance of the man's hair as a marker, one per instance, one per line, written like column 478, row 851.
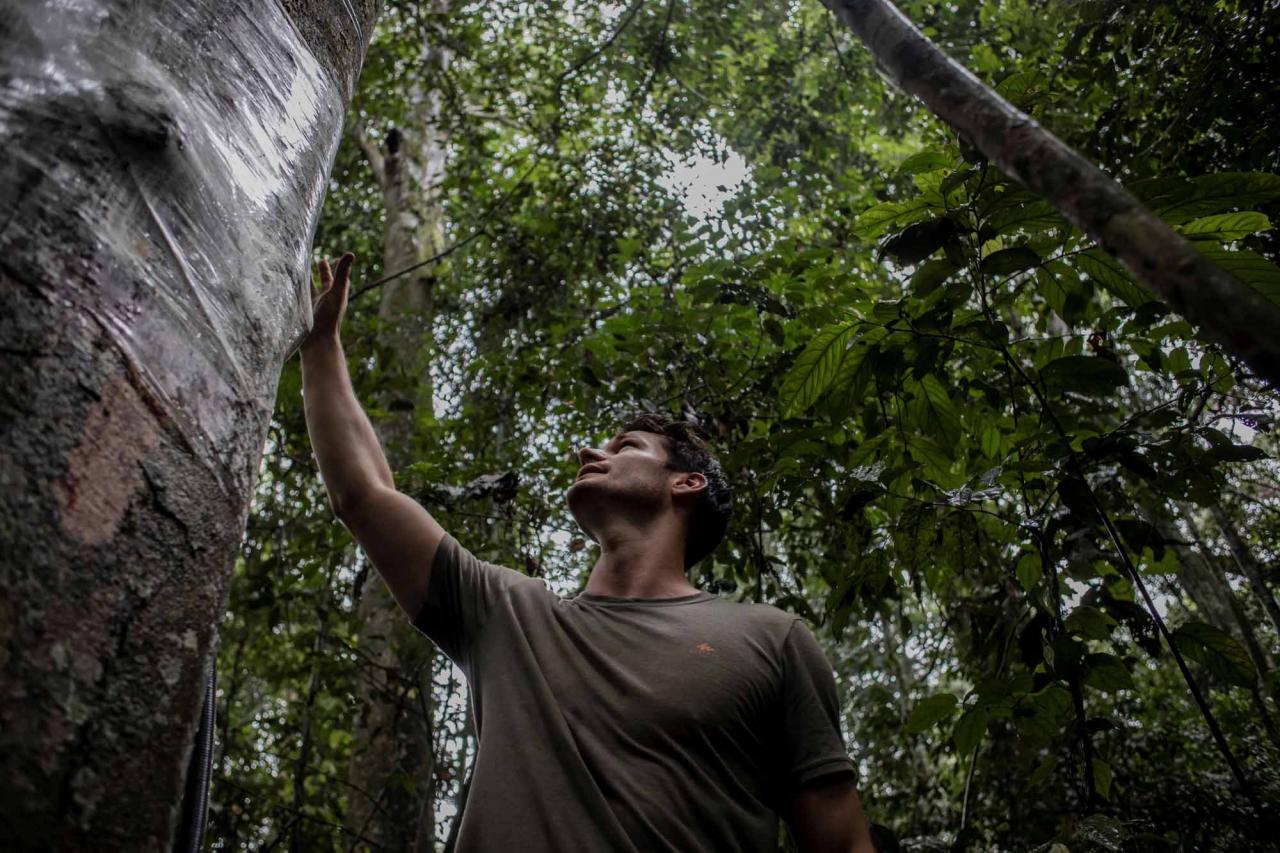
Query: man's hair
column 688, row 451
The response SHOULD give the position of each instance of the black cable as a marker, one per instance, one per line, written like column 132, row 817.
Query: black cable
column 195, row 798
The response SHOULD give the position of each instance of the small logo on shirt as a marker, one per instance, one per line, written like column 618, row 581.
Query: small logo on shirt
column 705, row 649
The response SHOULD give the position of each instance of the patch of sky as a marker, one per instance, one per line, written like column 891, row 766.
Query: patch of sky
column 705, row 181
column 703, row 184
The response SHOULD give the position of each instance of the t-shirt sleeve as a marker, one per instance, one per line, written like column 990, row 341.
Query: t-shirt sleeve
column 812, row 743
column 462, row 594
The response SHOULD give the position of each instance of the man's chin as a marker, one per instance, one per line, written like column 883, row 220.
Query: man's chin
column 577, row 489
column 585, row 498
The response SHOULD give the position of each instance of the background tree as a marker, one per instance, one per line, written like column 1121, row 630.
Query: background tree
column 392, row 751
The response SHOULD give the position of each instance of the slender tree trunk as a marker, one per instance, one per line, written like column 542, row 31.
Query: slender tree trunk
column 1218, row 605
column 1207, row 585
column 1235, row 315
column 163, row 166
column 1248, row 565
column 392, row 753
column 299, row 796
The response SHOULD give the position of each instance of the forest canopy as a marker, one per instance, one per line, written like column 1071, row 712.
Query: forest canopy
column 1029, row 510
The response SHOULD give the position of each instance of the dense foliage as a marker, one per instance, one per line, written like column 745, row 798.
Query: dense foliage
column 1002, row 481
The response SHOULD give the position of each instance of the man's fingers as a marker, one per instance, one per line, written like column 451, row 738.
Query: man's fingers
column 343, row 276
column 326, row 276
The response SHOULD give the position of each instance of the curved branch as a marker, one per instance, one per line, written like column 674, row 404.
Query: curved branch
column 370, row 151
column 1228, row 311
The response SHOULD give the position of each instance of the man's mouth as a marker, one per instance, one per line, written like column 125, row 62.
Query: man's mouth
column 589, row 469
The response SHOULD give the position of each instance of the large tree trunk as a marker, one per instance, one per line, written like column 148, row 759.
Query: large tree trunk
column 392, row 771
column 164, row 163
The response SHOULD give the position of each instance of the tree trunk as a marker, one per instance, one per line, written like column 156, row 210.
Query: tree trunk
column 1248, row 565
column 1230, row 312
column 393, row 760
column 1217, row 604
column 164, row 165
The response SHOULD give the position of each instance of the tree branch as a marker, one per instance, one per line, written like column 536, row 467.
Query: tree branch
column 371, row 152
column 1229, row 312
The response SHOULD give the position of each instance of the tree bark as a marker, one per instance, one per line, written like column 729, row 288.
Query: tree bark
column 1207, row 586
column 1247, row 564
column 1228, row 311
column 1217, row 604
column 392, row 753
column 164, row 166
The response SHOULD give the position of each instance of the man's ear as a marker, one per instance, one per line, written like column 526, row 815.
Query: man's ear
column 688, row 483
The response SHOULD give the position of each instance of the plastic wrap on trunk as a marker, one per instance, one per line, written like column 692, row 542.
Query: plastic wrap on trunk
column 163, row 167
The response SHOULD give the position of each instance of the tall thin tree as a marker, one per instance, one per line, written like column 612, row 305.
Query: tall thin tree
column 393, row 766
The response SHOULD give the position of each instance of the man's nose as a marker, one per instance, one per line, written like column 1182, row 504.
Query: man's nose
column 587, row 455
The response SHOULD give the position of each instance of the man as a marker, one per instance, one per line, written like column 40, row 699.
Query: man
column 641, row 715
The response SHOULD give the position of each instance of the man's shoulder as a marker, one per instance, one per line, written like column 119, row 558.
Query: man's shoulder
column 755, row 616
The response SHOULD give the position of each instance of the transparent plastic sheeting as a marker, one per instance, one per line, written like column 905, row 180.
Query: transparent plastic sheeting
column 162, row 165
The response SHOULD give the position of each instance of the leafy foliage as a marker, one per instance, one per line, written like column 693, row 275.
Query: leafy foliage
column 963, row 439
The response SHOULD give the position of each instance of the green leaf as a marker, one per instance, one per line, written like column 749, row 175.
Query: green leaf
column 969, row 730
column 1226, row 227
column 1217, row 372
column 877, row 219
column 1022, row 88
column 1010, row 261
column 920, row 240
column 1090, row 623
column 1040, row 716
column 935, row 411
column 1113, row 277
column 1091, row 375
column 930, row 711
column 1061, row 288
column 925, row 161
column 1102, row 776
column 1100, row 831
column 1028, row 570
column 814, row 370
column 936, row 461
column 1216, row 652
column 930, row 275
column 1236, row 453
column 1042, row 771
column 991, row 441
column 1107, row 673
column 1250, row 267
column 1177, row 201
column 855, row 370
column 1033, row 216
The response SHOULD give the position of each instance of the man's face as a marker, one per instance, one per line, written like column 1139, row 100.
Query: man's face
column 628, row 474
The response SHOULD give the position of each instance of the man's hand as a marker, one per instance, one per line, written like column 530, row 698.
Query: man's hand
column 400, row 537
column 329, row 302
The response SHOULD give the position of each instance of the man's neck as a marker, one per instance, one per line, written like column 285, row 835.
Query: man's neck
column 641, row 563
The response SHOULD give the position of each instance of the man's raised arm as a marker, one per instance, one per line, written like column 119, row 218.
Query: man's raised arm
column 399, row 536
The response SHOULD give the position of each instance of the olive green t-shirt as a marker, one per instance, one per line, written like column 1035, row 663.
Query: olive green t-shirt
column 605, row 724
